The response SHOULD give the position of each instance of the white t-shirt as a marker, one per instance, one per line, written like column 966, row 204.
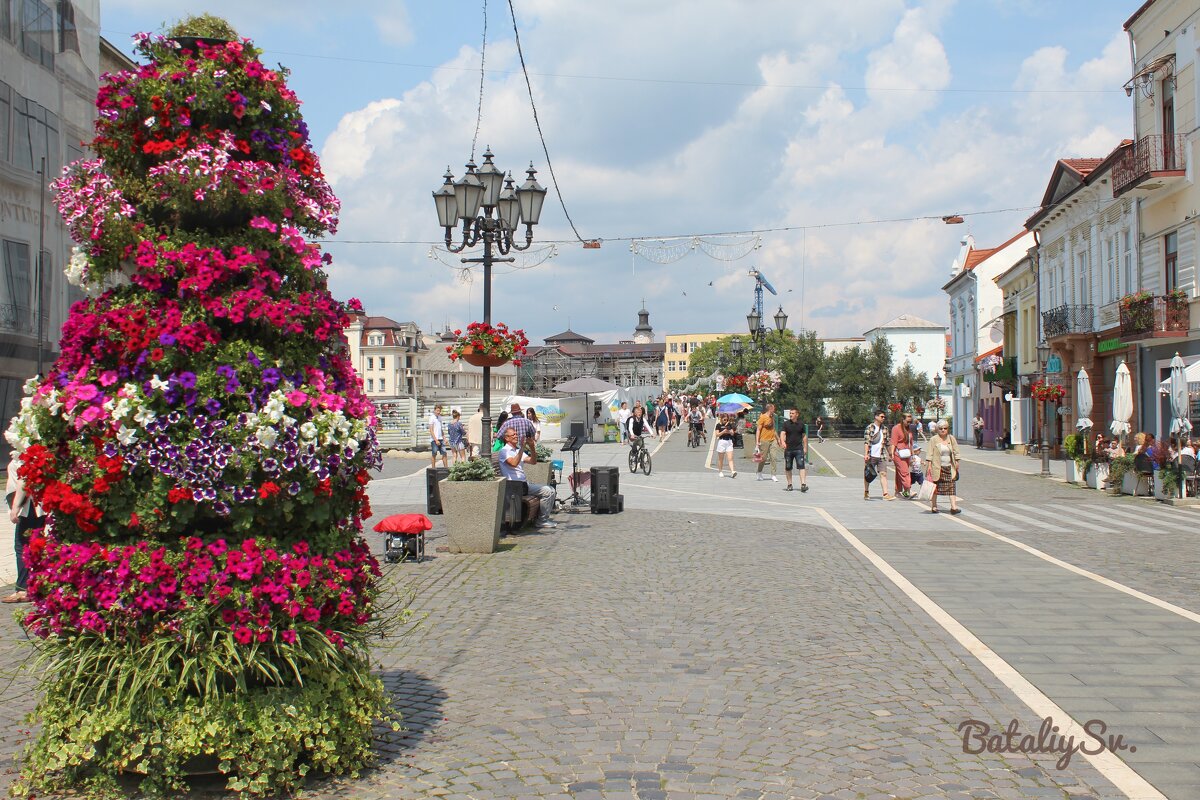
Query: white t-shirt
column 623, row 415
column 516, row 473
column 876, row 445
column 435, row 427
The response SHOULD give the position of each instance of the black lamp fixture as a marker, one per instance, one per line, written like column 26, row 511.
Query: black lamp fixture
column 781, row 320
column 490, row 209
column 754, row 322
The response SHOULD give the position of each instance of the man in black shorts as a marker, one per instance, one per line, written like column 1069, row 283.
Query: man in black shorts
column 793, row 438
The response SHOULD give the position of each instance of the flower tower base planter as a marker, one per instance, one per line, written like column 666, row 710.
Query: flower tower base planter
column 1073, row 473
column 1097, row 475
column 1129, row 482
column 473, row 510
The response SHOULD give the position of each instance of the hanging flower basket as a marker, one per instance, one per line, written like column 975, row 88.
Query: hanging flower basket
column 764, row 382
column 735, row 383
column 1048, row 393
column 484, row 345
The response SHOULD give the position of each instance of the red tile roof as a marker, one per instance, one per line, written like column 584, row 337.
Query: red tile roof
column 1083, row 166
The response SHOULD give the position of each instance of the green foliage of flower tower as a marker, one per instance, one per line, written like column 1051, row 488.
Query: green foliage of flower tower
column 202, row 596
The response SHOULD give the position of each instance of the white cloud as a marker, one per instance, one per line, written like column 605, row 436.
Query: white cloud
column 637, row 157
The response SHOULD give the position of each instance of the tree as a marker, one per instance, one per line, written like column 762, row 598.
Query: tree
column 202, row 446
column 913, row 389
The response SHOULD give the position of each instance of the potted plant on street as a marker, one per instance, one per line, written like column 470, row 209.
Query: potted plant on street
column 539, row 472
column 1073, row 445
column 486, row 345
column 472, row 502
column 1120, row 475
column 1097, row 472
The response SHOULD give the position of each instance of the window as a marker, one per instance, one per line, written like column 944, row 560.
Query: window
column 34, row 134
column 1127, row 260
column 6, row 101
column 37, row 32
column 674, row 347
column 15, row 311
column 381, row 365
column 1110, row 270
column 6, row 20
column 1171, row 260
column 375, row 339
column 383, row 384
column 370, row 384
column 1085, row 279
column 68, row 36
column 370, row 363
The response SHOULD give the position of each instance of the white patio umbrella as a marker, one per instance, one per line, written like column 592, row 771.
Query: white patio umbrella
column 1083, row 399
column 1122, row 402
column 1179, row 397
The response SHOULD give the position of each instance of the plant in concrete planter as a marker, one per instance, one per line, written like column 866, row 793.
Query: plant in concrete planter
column 1118, row 469
column 1074, row 446
column 1169, row 478
column 472, row 502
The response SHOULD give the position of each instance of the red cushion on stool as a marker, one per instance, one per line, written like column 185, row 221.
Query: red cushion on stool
column 404, row 523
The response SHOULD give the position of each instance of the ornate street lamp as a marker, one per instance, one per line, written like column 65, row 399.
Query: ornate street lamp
column 1043, row 354
column 780, row 320
column 490, row 209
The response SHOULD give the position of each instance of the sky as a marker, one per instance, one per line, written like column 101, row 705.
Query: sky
column 842, row 130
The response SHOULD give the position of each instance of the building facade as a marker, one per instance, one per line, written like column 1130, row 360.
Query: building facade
column 977, row 333
column 1018, row 365
column 569, row 355
column 51, row 57
column 1158, row 174
column 677, row 353
column 1085, row 264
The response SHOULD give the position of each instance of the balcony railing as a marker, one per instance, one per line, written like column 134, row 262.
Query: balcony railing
column 1068, row 319
column 1153, row 317
column 1155, row 154
column 1005, row 371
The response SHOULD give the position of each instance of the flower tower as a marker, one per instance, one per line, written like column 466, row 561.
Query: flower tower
column 202, row 597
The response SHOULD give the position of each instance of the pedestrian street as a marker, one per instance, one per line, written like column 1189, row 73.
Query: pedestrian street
column 723, row 638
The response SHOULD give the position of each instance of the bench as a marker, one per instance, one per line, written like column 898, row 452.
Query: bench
column 520, row 508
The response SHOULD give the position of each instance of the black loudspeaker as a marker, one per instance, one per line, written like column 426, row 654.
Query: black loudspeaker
column 433, row 497
column 605, row 487
column 577, row 431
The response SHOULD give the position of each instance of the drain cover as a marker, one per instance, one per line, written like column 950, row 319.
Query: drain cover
column 945, row 543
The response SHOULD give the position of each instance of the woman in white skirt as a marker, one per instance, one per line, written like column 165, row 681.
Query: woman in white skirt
column 726, row 428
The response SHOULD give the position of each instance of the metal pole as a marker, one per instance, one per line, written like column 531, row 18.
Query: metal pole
column 1045, row 430
column 40, row 261
column 487, row 320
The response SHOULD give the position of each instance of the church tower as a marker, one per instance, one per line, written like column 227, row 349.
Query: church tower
column 643, row 333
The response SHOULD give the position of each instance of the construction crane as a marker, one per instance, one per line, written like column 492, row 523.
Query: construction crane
column 760, row 283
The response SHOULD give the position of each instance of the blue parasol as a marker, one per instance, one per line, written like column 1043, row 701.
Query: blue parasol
column 736, row 398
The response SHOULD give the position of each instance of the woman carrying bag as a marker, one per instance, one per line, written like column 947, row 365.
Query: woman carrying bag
column 942, row 465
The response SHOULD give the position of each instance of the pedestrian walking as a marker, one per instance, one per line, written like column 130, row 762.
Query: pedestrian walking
column 820, row 424
column 943, row 468
column 765, row 442
column 456, row 432
column 876, row 454
column 623, row 419
column 475, row 432
column 903, row 448
column 526, row 432
column 793, row 438
column 726, row 430
column 23, row 514
column 531, row 415
column 437, row 437
column 977, row 425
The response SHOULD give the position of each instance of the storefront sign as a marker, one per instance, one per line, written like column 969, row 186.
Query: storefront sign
column 1108, row 345
column 1054, row 364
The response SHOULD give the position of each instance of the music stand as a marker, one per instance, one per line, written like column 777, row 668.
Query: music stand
column 572, row 445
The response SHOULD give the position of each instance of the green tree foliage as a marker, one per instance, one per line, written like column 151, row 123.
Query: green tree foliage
column 912, row 388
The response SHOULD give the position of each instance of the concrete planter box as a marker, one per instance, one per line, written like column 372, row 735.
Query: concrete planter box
column 1159, row 493
column 1097, row 475
column 537, row 473
column 473, row 510
column 1129, row 482
column 1073, row 473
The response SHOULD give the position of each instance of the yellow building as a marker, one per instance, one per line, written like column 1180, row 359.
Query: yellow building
column 678, row 353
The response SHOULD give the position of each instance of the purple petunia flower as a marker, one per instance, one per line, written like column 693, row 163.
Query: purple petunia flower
column 166, row 340
column 222, row 508
column 293, row 488
column 187, row 380
column 253, row 359
column 271, row 376
column 213, row 405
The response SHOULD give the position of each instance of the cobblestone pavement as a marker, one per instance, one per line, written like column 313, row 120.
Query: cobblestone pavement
column 724, row 639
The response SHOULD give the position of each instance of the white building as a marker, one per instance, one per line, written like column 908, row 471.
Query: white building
column 977, row 327
column 917, row 342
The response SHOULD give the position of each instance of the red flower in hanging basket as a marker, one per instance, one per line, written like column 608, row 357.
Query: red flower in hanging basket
column 895, row 408
column 1047, row 392
column 485, row 345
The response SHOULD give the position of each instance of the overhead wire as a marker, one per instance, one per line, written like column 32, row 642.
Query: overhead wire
column 482, row 73
column 537, row 123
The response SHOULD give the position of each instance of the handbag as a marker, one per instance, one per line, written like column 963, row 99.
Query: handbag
column 926, row 491
column 904, row 452
column 758, row 456
column 869, row 472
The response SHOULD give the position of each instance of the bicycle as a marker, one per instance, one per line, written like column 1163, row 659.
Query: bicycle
column 696, row 434
column 639, row 456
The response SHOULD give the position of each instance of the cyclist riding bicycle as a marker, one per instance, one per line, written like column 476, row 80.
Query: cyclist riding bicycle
column 637, row 427
column 695, row 426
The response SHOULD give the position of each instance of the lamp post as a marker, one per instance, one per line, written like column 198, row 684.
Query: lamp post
column 937, row 395
column 1043, row 353
column 736, row 347
column 490, row 209
column 758, row 333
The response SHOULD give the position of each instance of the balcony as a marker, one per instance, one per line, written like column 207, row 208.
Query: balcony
column 1153, row 162
column 1146, row 316
column 1005, row 372
column 1065, row 319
